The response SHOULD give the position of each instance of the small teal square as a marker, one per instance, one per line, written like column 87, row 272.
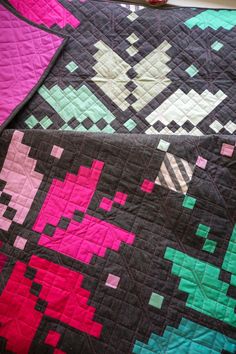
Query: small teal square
column 71, row 66
column 163, row 145
column 189, row 202
column 156, row 300
column 192, row 70
column 130, row 124
column 203, row 230
column 209, row 246
column 217, row 46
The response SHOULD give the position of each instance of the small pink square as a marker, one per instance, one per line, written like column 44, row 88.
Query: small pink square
column 120, row 198
column 112, row 281
column 57, row 151
column 106, row 204
column 20, row 242
column 52, row 338
column 58, row 351
column 227, row 150
column 147, row 186
column 201, row 162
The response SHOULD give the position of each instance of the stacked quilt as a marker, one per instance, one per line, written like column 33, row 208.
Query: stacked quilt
column 117, row 179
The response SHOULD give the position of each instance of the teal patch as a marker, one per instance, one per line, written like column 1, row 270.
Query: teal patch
column 45, row 123
column 203, row 230
column 192, row 70
column 163, row 145
column 189, row 337
column 217, row 46
column 78, row 106
column 130, row 124
column 207, row 294
column 156, row 300
column 189, row 202
column 72, row 66
column 209, row 246
column 229, row 263
column 213, row 18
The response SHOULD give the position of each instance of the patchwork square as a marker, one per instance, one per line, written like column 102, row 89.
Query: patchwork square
column 227, row 150
column 189, row 202
column 52, row 338
column 106, row 204
column 209, row 246
column 57, row 151
column 20, row 242
column 163, row 145
column 201, row 162
column 112, row 281
column 147, row 186
column 156, row 300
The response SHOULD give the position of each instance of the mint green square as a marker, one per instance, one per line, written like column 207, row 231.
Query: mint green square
column 209, row 246
column 163, row 145
column 189, row 202
column 130, row 124
column 217, row 46
column 203, row 230
column 156, row 300
column 31, row 122
column 45, row 122
column 71, row 66
column 192, row 70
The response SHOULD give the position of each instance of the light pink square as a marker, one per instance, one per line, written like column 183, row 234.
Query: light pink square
column 57, row 151
column 20, row 242
column 112, row 281
column 106, row 204
column 120, row 198
column 227, row 150
column 201, row 162
column 147, row 186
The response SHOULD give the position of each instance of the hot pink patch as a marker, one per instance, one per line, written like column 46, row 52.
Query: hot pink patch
column 20, row 242
column 120, row 198
column 83, row 240
column 74, row 193
column 47, row 12
column 106, row 204
column 112, row 281
column 57, row 151
column 227, row 150
column 58, row 351
column 147, row 186
column 52, row 338
column 201, row 162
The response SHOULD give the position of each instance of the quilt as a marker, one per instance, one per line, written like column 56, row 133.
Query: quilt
column 117, row 243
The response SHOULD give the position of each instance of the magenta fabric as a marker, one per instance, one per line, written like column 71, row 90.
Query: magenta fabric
column 25, row 54
column 46, row 12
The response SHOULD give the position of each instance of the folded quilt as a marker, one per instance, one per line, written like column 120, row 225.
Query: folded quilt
column 117, row 243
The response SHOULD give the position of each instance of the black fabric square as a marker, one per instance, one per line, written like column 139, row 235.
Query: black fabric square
column 41, row 305
column 78, row 216
column 35, row 289
column 131, row 73
column 9, row 213
column 173, row 126
column 2, row 185
column 87, row 123
column 5, row 198
column 30, row 273
column 73, row 123
column 188, row 126
column 131, row 86
column 49, row 230
column 131, row 99
column 101, row 124
column 64, row 223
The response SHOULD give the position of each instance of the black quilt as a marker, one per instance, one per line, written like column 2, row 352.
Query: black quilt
column 120, row 243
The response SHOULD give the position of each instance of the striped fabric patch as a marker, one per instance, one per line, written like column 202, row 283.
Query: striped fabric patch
column 175, row 173
column 132, row 7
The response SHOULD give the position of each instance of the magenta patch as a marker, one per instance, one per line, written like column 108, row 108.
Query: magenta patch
column 147, row 186
column 201, row 162
column 25, row 53
column 80, row 240
column 106, row 204
column 46, row 12
column 227, row 150
column 120, row 198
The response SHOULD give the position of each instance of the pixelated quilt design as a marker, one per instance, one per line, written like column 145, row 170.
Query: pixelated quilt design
column 135, row 70
column 27, row 53
column 117, row 243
